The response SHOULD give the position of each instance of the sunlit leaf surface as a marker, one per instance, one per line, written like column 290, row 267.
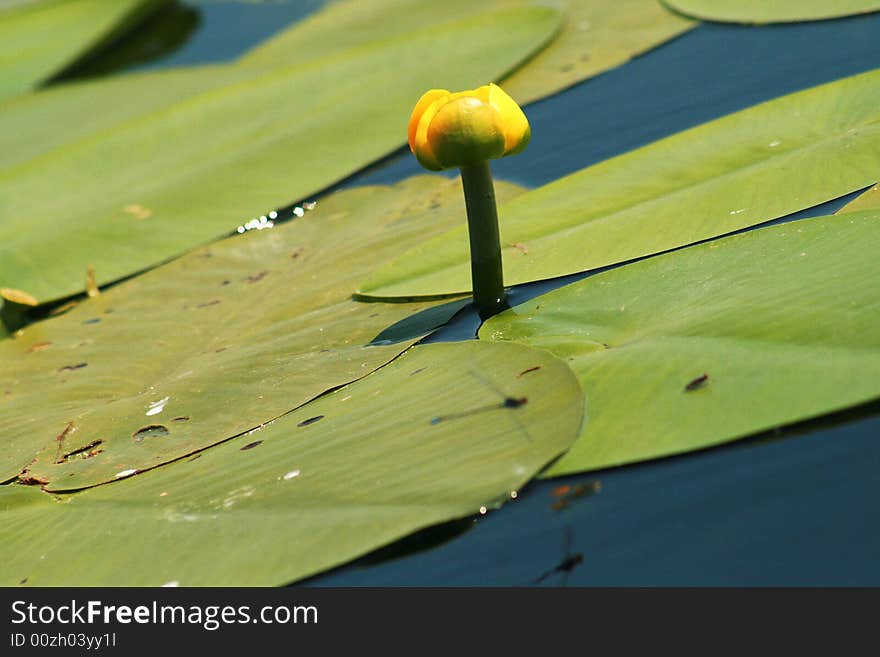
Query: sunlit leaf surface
column 771, row 11
column 217, row 342
column 759, row 164
column 424, row 440
column 203, row 166
column 716, row 341
column 869, row 200
column 40, row 39
column 57, row 117
column 595, row 36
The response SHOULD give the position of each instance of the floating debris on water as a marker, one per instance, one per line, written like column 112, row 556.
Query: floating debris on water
column 567, row 493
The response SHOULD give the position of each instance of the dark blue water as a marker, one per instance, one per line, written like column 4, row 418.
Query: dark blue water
column 800, row 507
column 227, row 30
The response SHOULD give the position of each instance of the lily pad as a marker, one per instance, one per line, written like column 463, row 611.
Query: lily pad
column 773, row 11
column 756, row 165
column 595, row 36
column 345, row 474
column 201, row 167
column 869, row 200
column 40, row 39
column 70, row 107
column 216, row 343
column 714, row 342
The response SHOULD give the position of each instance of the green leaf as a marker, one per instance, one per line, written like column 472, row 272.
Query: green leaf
column 344, row 475
column 203, row 166
column 774, row 11
column 229, row 336
column 595, row 36
column 69, row 108
column 782, row 320
column 869, row 200
column 758, row 164
column 40, row 39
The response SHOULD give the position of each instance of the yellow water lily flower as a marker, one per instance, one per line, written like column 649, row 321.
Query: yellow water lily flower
column 458, row 129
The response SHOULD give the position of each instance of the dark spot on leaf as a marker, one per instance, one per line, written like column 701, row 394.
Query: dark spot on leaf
column 71, row 368
column 150, row 431
column 527, row 370
column 26, row 479
column 226, row 282
column 566, row 68
column 39, row 346
column 374, row 315
column 311, row 420
column 24, row 581
column 70, row 428
column 217, row 351
column 212, row 302
column 197, row 456
column 256, row 443
column 108, row 311
column 94, row 320
column 180, row 418
column 256, row 278
column 414, row 372
column 697, row 383
column 296, row 253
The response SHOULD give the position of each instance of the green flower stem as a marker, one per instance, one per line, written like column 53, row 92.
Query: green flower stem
column 486, row 272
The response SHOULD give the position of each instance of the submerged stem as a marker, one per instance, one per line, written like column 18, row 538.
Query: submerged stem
column 486, row 271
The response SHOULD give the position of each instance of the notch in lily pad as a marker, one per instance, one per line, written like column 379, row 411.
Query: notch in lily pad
column 467, row 129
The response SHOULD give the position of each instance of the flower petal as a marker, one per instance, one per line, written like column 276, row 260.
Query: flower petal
column 517, row 132
column 421, row 147
column 424, row 102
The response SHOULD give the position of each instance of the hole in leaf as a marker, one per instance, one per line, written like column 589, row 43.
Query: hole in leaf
column 150, row 431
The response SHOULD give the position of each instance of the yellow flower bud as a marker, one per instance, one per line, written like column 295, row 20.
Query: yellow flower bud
column 456, row 129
